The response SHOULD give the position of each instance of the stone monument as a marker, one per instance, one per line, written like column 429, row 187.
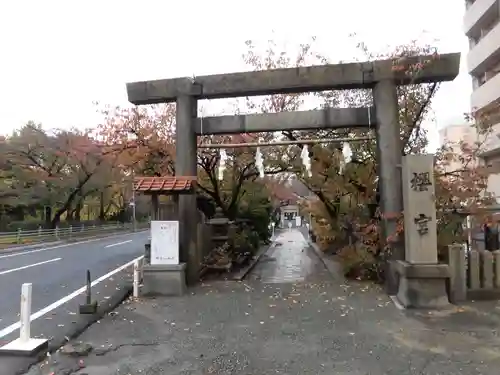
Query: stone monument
column 422, row 281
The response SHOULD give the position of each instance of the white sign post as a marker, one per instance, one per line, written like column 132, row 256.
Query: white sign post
column 164, row 242
column 298, row 221
column 25, row 344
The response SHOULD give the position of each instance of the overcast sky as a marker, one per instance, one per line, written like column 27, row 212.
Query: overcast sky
column 58, row 56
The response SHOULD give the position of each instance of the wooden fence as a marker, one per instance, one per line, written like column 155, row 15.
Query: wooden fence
column 474, row 274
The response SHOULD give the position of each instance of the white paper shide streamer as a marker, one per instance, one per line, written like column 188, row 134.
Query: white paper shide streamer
column 306, row 161
column 347, row 152
column 222, row 164
column 259, row 162
column 346, row 156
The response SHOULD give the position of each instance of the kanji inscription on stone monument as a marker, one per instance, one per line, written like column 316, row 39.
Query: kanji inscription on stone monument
column 420, row 181
column 422, row 224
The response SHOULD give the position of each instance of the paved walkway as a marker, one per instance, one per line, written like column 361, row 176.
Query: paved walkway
column 289, row 261
column 289, row 317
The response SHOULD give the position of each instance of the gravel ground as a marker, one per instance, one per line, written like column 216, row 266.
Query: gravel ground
column 302, row 324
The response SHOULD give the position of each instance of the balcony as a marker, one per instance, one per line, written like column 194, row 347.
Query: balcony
column 482, row 12
column 486, row 94
column 486, row 53
column 491, row 147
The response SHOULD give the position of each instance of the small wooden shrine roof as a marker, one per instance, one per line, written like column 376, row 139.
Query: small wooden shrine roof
column 164, row 185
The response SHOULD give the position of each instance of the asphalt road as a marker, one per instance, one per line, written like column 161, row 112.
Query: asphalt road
column 58, row 271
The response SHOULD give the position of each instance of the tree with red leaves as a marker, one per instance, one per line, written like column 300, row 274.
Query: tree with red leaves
column 146, row 134
column 56, row 170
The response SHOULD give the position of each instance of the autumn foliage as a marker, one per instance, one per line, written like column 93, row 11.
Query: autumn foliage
column 56, row 172
column 346, row 208
column 60, row 171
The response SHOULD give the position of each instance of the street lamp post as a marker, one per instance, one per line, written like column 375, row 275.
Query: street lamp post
column 132, row 204
column 134, row 222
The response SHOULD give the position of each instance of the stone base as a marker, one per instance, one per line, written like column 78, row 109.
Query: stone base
column 30, row 347
column 164, row 280
column 88, row 308
column 422, row 286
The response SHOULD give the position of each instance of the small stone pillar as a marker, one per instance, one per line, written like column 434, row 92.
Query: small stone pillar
column 155, row 207
column 155, row 215
column 422, row 281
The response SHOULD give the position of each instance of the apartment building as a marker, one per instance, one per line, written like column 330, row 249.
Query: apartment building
column 482, row 27
column 453, row 135
column 456, row 133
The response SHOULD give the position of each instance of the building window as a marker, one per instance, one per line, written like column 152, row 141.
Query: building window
column 478, row 80
column 472, row 42
column 487, row 28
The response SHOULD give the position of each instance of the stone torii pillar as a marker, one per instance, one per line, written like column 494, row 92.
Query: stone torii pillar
column 389, row 158
column 186, row 165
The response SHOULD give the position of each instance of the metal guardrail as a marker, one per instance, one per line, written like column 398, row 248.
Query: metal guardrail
column 27, row 237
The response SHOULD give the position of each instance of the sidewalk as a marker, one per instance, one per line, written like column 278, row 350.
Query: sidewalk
column 289, row 317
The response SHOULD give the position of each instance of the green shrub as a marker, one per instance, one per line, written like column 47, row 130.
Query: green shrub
column 258, row 214
column 245, row 241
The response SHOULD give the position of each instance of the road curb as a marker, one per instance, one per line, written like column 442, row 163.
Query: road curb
column 334, row 268
column 76, row 329
column 245, row 271
column 85, row 321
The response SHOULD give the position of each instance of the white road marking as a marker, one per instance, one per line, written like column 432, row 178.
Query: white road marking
column 64, row 245
column 119, row 243
column 4, row 332
column 29, row 266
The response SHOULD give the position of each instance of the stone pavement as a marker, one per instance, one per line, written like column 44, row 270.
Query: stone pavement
column 289, row 317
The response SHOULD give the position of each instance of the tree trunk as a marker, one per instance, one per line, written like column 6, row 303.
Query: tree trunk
column 57, row 218
column 47, row 215
column 78, row 211
column 102, row 212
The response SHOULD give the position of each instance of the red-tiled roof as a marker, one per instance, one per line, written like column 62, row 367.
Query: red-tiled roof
column 169, row 184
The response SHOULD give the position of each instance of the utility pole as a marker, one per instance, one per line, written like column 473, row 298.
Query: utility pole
column 132, row 203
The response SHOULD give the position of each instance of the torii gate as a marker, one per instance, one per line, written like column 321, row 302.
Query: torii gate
column 380, row 76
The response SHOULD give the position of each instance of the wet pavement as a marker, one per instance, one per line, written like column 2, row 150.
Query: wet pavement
column 289, row 317
column 290, row 259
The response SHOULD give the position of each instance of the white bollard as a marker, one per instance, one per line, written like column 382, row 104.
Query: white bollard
column 25, row 345
column 24, row 334
column 136, row 278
